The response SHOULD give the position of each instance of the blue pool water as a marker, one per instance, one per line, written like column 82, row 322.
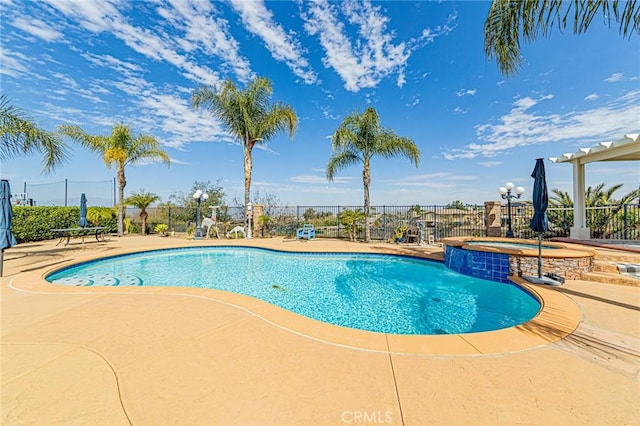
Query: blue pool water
column 382, row 293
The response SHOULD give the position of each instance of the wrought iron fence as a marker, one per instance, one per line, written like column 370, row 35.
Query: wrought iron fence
column 605, row 222
column 347, row 222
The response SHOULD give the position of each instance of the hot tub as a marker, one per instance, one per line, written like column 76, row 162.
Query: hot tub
column 497, row 258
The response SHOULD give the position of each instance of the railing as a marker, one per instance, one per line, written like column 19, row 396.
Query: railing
column 439, row 222
column 605, row 222
column 344, row 222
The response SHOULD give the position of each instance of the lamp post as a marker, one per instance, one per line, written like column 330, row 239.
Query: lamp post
column 505, row 193
column 249, row 220
column 199, row 196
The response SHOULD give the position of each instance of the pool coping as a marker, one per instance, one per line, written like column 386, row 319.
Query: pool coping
column 561, row 250
column 559, row 315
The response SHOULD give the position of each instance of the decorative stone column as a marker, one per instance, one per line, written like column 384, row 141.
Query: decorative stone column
column 493, row 218
column 258, row 211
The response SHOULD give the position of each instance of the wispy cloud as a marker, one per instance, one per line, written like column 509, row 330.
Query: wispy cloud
column 522, row 126
column 459, row 110
column 103, row 16
column 13, row 63
column 466, row 92
column 283, row 47
column 415, row 100
column 38, row 28
column 204, row 30
column 591, row 97
column 372, row 57
column 615, row 77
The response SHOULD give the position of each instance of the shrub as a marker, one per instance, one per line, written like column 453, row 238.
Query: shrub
column 162, row 229
column 36, row 223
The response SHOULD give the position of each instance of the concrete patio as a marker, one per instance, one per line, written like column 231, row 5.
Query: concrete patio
column 154, row 356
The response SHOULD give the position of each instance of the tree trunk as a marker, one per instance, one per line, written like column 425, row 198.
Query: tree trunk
column 143, row 216
column 247, row 181
column 122, row 182
column 366, row 179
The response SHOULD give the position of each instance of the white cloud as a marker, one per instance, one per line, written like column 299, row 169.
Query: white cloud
column 38, row 28
column 283, row 47
column 13, row 63
column 466, row 92
column 429, row 35
column 615, row 77
column 522, row 126
column 205, row 30
column 414, row 101
column 103, row 16
column 459, row 110
column 591, row 97
column 372, row 57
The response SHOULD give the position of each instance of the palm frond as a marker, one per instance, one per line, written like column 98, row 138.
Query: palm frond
column 19, row 135
column 341, row 160
column 510, row 21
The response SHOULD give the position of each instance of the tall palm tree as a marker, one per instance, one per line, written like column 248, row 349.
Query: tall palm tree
column 120, row 148
column 21, row 136
column 142, row 200
column 248, row 115
column 510, row 21
column 357, row 140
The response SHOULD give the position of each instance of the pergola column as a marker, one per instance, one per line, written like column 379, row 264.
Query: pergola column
column 579, row 230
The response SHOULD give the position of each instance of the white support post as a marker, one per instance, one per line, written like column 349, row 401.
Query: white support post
column 579, row 231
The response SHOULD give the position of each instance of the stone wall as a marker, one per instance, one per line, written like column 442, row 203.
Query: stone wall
column 568, row 268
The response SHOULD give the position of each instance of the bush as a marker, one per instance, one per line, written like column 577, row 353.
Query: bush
column 35, row 223
column 162, row 229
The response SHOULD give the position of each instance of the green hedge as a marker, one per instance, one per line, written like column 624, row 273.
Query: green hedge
column 36, row 223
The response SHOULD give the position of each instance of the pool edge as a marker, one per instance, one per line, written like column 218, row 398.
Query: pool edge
column 558, row 317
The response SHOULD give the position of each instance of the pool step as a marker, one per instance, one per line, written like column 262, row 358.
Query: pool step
column 617, row 256
column 604, row 266
column 610, row 278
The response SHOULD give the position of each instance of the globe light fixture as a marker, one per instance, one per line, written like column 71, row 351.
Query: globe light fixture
column 505, row 193
column 199, row 196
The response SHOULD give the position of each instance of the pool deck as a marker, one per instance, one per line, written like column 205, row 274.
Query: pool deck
column 154, row 356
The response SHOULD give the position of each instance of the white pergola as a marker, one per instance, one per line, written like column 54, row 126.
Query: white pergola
column 625, row 149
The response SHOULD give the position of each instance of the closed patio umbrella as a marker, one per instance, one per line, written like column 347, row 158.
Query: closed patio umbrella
column 83, row 211
column 540, row 222
column 6, row 214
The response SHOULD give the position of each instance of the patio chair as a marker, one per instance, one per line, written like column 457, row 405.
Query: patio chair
column 412, row 235
column 306, row 232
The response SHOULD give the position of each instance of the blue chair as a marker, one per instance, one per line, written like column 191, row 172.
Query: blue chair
column 306, row 232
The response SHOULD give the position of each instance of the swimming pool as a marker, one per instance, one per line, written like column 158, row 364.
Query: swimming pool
column 380, row 293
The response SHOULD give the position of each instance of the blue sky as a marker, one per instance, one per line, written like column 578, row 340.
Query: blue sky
column 94, row 63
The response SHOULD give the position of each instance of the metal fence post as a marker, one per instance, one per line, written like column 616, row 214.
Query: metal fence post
column 626, row 223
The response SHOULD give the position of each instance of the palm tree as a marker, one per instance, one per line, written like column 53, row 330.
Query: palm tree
column 21, row 136
column 603, row 209
column 248, row 115
column 120, row 148
column 510, row 21
column 357, row 140
column 142, row 200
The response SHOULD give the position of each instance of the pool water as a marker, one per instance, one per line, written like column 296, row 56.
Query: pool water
column 501, row 244
column 381, row 293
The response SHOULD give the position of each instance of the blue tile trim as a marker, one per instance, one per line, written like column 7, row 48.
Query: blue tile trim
column 479, row 264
